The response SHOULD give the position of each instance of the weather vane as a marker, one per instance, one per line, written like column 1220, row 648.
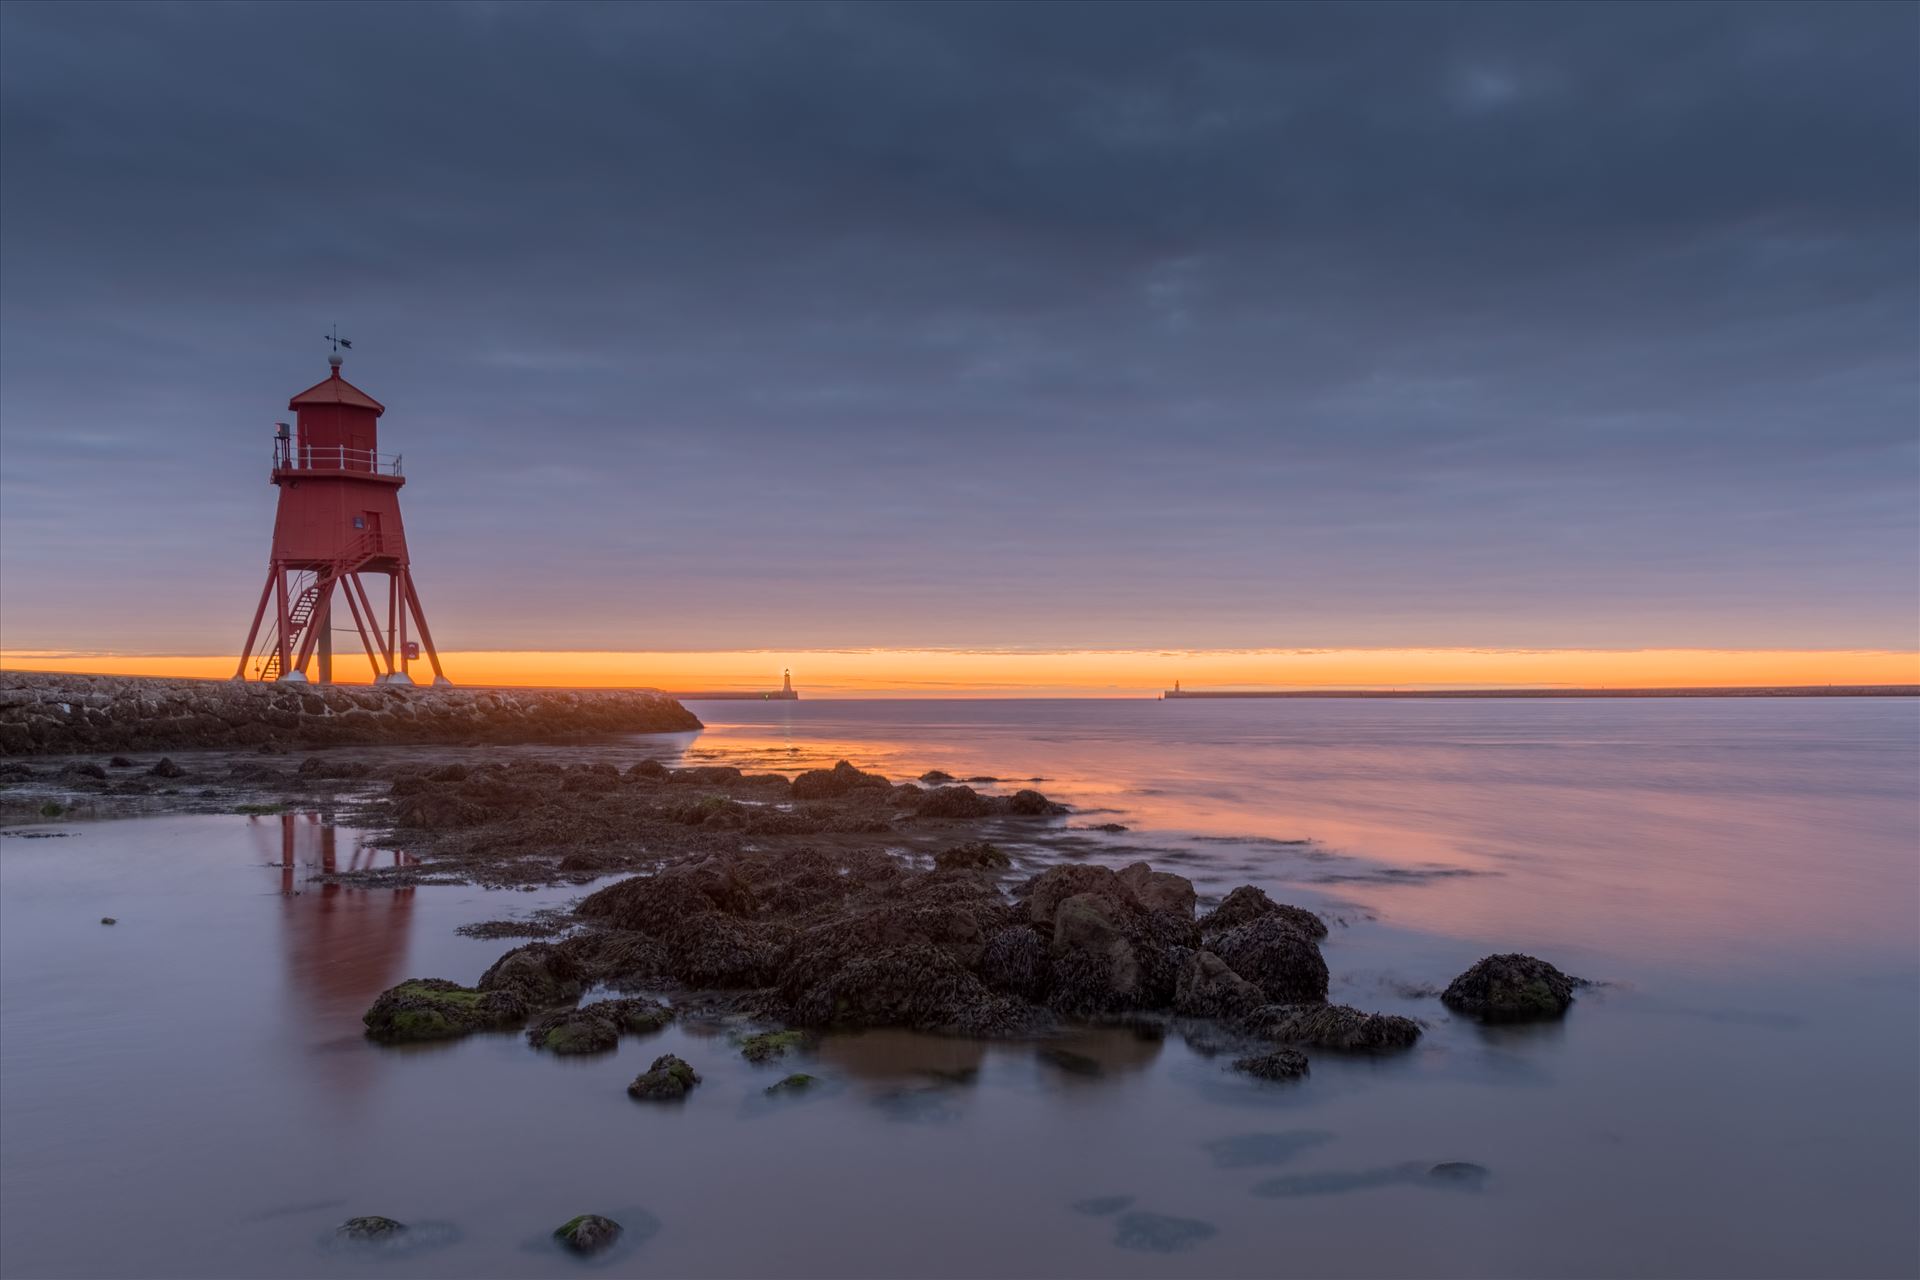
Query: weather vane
column 338, row 342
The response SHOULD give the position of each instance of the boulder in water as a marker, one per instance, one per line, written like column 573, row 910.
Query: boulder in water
column 1209, row 988
column 954, row 802
column 435, row 1009
column 824, row 784
column 1159, row 890
column 1510, row 988
column 1247, row 904
column 1027, row 803
column 798, row 1082
column 669, row 1079
column 370, row 1228
column 542, row 973
column 1333, row 1026
column 588, row 1233
column 975, row 855
column 769, row 1045
column 1275, row 955
column 1281, row 1064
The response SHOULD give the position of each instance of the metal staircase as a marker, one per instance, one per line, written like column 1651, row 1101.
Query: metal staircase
column 368, row 546
column 297, row 619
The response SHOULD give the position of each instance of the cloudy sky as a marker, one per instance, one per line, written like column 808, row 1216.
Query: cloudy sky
column 1047, row 326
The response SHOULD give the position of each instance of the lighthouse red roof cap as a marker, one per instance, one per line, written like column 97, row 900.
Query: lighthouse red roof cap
column 337, row 390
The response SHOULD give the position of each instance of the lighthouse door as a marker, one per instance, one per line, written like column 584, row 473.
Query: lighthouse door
column 370, row 521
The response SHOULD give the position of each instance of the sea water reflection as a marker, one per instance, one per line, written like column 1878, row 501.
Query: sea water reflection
column 1739, row 1100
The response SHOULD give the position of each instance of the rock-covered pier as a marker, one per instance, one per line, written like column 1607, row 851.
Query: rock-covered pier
column 47, row 714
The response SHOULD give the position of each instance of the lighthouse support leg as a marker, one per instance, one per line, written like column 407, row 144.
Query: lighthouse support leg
column 400, row 606
column 426, row 636
column 359, row 627
column 280, row 615
column 370, row 629
column 253, row 632
column 323, row 620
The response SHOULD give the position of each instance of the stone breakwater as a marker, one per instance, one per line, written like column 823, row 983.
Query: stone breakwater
column 70, row 714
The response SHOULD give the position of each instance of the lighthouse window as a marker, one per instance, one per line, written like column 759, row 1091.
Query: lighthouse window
column 359, row 522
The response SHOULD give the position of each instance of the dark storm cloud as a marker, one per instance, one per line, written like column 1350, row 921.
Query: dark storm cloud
column 980, row 324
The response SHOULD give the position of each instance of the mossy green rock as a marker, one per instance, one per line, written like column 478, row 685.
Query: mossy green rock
column 597, row 1027
column 1510, row 988
column 768, row 1045
column 574, row 1033
column 435, row 1009
column 667, row 1080
column 799, row 1082
column 588, row 1233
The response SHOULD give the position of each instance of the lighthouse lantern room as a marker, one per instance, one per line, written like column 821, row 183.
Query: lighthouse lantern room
column 338, row 523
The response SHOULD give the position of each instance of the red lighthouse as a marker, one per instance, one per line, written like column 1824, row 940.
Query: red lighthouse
column 339, row 519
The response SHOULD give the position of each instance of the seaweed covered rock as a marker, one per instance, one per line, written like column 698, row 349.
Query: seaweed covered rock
column 721, row 951
column 597, row 1027
column 954, row 802
column 1281, row 1064
column 1510, row 988
column 767, row 1046
column 1247, row 904
column 1136, row 888
column 976, row 855
column 542, row 973
column 620, row 957
column 1117, row 941
column 589, row 1233
column 669, row 1079
column 826, row 784
column 1209, row 988
column 918, row 986
column 574, row 1032
column 1276, row 956
column 371, row 1228
column 1026, row 803
column 1109, row 958
column 1045, row 892
column 659, row 902
column 955, row 922
column 798, row 1082
column 1332, row 1026
column 1015, row 960
column 634, row 1017
column 706, row 774
column 435, row 1009
column 1159, row 890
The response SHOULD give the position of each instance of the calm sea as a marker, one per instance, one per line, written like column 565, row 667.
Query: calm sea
column 186, row 1093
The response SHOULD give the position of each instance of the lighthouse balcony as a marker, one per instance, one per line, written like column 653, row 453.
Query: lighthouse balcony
column 295, row 456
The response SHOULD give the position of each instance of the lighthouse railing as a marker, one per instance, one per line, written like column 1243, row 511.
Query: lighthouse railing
column 290, row 454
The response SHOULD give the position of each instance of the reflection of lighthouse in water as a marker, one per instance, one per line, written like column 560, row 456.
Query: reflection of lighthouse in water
column 344, row 944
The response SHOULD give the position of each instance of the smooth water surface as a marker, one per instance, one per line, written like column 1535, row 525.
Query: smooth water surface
column 186, row 1093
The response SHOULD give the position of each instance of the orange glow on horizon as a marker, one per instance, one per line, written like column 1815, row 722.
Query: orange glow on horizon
column 930, row 673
